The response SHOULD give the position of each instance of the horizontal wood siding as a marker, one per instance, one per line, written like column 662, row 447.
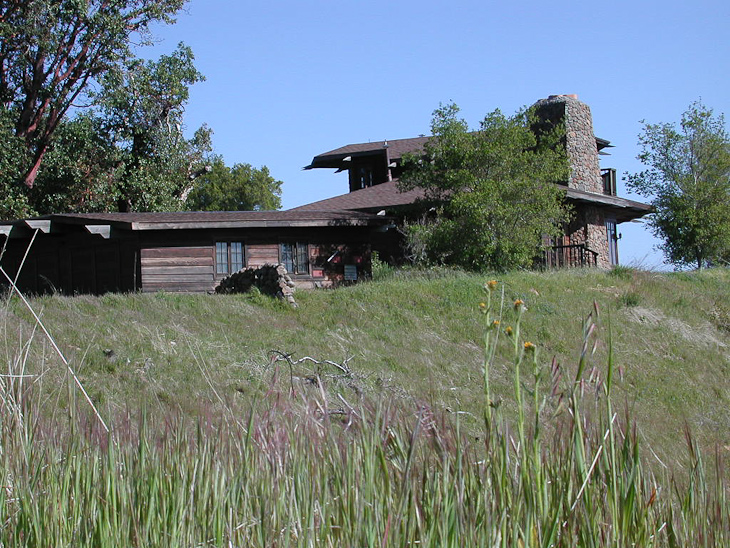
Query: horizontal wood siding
column 260, row 254
column 188, row 268
column 74, row 261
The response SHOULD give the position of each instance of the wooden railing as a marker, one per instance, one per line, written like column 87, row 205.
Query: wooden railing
column 569, row 256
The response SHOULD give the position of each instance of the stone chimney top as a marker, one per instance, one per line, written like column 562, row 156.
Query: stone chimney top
column 568, row 95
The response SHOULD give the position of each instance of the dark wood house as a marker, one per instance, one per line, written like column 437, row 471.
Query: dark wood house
column 591, row 237
column 187, row 251
column 320, row 244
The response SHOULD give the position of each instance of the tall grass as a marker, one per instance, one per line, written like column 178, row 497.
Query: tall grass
column 304, row 467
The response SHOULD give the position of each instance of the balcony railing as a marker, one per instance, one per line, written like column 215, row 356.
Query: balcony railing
column 569, row 256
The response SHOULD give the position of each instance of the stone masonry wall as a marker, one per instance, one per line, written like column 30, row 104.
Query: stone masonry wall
column 588, row 227
column 585, row 171
column 580, row 141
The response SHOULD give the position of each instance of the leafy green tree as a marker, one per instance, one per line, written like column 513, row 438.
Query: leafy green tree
column 13, row 197
column 79, row 170
column 688, row 179
column 238, row 188
column 490, row 197
column 51, row 50
column 127, row 151
column 142, row 106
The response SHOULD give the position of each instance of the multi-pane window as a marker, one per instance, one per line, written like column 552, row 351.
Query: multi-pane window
column 228, row 257
column 295, row 257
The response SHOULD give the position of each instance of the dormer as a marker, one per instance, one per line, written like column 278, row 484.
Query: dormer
column 369, row 164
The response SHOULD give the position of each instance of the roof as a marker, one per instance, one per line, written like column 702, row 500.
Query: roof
column 395, row 149
column 181, row 220
column 624, row 209
column 385, row 195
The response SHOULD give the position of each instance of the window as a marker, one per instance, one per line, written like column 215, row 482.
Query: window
column 365, row 176
column 609, row 181
column 295, row 257
column 228, row 257
column 612, row 241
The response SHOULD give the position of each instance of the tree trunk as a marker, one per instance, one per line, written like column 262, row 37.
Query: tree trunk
column 32, row 173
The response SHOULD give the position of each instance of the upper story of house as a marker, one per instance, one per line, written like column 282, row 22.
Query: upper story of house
column 374, row 168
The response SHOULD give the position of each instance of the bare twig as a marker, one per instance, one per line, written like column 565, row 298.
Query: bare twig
column 344, row 367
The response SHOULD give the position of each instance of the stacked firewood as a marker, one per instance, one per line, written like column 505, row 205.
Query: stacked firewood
column 269, row 279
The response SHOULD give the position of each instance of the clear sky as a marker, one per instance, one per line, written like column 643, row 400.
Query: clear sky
column 289, row 79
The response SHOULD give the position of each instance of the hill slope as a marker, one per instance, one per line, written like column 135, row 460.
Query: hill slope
column 412, row 334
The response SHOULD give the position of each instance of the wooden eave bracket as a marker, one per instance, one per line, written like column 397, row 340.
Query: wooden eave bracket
column 102, row 230
column 44, row 225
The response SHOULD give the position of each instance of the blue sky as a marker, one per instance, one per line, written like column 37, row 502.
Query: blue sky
column 287, row 80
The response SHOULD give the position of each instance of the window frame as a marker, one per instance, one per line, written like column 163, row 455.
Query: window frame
column 294, row 255
column 231, row 255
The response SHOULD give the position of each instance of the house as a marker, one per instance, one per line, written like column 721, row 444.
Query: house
column 321, row 244
column 184, row 251
column 591, row 237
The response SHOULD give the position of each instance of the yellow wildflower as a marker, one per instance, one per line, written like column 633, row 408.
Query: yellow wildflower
column 491, row 285
column 519, row 304
column 508, row 331
column 529, row 347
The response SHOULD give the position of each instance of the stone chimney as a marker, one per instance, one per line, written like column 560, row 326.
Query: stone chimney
column 588, row 224
column 580, row 141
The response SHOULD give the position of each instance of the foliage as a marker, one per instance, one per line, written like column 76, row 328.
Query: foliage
column 79, row 170
column 128, row 151
column 13, row 199
column 491, row 190
column 688, row 178
column 142, row 109
column 380, row 269
column 238, row 188
column 51, row 51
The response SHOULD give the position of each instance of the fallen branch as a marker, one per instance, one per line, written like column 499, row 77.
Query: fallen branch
column 277, row 356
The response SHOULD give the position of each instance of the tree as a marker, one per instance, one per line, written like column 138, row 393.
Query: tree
column 51, row 50
column 688, row 179
column 490, row 195
column 142, row 106
column 239, row 188
column 80, row 169
column 127, row 151
column 13, row 198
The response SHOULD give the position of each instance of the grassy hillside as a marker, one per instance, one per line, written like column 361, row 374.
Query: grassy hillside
column 360, row 418
column 414, row 335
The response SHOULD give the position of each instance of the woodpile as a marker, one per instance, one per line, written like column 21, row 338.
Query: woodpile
column 269, row 279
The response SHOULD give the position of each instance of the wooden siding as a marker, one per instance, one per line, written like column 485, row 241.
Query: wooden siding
column 74, row 264
column 189, row 268
column 260, row 254
column 75, row 261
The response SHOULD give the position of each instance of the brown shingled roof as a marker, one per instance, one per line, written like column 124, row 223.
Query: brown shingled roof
column 396, row 149
column 373, row 198
column 387, row 195
column 214, row 219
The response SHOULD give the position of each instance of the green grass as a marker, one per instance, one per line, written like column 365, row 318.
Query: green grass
column 432, row 425
column 413, row 334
